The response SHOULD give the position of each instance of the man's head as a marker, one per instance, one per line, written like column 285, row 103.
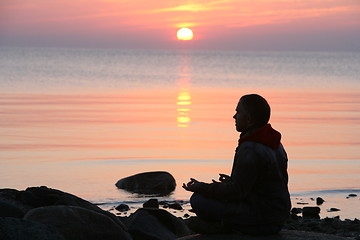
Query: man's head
column 252, row 111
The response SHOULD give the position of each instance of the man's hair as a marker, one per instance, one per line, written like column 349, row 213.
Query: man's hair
column 257, row 107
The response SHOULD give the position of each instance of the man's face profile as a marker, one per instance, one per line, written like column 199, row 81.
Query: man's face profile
column 242, row 118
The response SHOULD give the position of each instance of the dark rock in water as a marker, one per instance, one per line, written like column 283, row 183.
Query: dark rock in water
column 319, row 201
column 351, row 195
column 295, row 211
column 171, row 204
column 175, row 206
column 19, row 229
column 151, row 203
column 333, row 210
column 311, row 212
column 283, row 235
column 152, row 183
column 78, row 223
column 122, row 208
column 155, row 224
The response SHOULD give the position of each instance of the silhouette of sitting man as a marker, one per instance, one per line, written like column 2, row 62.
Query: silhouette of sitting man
column 254, row 199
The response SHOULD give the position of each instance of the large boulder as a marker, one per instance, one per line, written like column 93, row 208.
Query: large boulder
column 11, row 204
column 19, row 229
column 155, row 224
column 7, row 209
column 20, row 202
column 151, row 183
column 78, row 223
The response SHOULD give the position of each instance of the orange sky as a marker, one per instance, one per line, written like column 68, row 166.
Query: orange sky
column 217, row 24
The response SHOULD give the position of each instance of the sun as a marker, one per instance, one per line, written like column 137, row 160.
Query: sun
column 184, row 34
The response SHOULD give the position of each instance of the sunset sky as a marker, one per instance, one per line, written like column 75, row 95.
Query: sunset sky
column 324, row 25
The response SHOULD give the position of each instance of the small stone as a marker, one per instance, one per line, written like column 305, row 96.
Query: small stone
column 319, row 201
column 175, row 206
column 151, row 203
column 122, row 208
column 295, row 211
column 352, row 195
column 333, row 210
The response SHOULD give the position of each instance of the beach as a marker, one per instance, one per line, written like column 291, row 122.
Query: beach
column 41, row 212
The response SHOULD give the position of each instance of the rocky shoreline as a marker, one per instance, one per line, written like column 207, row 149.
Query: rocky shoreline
column 45, row 213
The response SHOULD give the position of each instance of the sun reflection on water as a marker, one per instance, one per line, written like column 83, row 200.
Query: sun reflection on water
column 184, row 97
column 184, row 102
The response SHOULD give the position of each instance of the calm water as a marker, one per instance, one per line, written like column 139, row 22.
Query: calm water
column 80, row 119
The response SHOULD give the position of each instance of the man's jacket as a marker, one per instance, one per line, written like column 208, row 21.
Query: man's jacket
column 257, row 191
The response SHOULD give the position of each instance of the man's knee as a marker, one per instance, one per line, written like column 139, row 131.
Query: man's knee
column 196, row 200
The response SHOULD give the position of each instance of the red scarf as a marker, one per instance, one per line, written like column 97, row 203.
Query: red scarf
column 265, row 135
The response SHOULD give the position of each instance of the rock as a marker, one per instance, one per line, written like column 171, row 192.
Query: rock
column 122, row 208
column 9, row 210
column 351, row 195
column 78, row 223
column 295, row 211
column 283, row 235
column 152, row 183
column 333, row 210
column 319, row 201
column 34, row 197
column 151, row 203
column 311, row 212
column 171, row 204
column 175, row 206
column 346, row 228
column 10, row 198
column 152, row 223
column 44, row 196
column 19, row 229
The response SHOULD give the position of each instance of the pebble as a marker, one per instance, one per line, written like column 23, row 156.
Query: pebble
column 333, row 210
column 122, row 208
column 319, row 201
column 351, row 195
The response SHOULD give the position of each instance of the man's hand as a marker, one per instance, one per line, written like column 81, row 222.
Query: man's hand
column 191, row 186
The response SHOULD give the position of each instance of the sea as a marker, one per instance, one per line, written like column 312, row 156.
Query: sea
column 78, row 120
